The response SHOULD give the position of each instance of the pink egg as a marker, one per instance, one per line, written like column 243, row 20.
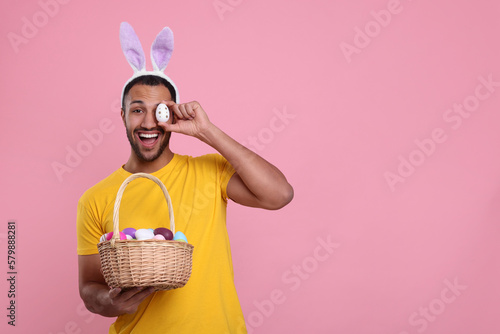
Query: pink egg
column 109, row 235
column 159, row 237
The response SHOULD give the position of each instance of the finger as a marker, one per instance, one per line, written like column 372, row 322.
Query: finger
column 125, row 295
column 176, row 112
column 170, row 127
column 184, row 112
column 168, row 103
column 144, row 293
column 139, row 296
column 190, row 110
column 114, row 292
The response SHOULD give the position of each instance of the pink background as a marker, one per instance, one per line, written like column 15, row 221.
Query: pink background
column 352, row 118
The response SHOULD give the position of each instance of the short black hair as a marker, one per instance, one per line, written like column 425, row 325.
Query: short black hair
column 148, row 80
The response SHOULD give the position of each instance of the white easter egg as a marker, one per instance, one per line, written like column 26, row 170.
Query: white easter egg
column 162, row 113
column 144, row 234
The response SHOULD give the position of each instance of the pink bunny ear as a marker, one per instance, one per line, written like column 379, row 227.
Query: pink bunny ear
column 162, row 48
column 131, row 47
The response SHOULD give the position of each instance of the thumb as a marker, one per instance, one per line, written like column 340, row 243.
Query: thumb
column 168, row 103
column 169, row 127
column 114, row 292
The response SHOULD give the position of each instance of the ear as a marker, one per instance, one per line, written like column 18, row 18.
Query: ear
column 131, row 47
column 122, row 113
column 162, row 48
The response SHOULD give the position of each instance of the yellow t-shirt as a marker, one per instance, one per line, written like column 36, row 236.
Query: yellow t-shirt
column 208, row 303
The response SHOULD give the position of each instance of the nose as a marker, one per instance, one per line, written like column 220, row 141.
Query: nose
column 149, row 120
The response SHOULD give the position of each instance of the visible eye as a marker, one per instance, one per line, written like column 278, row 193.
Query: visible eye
column 137, row 111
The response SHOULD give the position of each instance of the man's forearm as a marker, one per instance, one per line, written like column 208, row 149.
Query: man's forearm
column 264, row 180
column 96, row 298
column 257, row 183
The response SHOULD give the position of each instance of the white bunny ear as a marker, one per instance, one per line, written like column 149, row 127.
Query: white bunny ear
column 131, row 47
column 162, row 48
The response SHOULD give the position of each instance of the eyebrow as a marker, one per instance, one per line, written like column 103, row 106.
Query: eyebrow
column 137, row 101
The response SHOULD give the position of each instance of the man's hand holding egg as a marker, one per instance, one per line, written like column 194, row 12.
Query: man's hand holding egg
column 188, row 118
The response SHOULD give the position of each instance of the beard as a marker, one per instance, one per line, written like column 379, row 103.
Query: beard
column 137, row 150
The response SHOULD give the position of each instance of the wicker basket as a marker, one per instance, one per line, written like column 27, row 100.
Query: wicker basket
column 163, row 264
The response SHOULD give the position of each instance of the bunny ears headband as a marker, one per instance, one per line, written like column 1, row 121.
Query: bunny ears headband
column 161, row 51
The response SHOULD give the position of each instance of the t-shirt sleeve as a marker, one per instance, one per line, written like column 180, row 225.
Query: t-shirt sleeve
column 225, row 171
column 88, row 228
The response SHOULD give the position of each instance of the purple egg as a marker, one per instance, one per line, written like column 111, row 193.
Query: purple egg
column 165, row 232
column 130, row 231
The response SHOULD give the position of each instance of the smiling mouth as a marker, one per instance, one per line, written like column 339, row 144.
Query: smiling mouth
column 148, row 139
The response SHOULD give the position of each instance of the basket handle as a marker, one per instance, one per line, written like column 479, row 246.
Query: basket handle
column 116, row 221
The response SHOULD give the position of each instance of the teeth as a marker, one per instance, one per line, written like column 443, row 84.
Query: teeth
column 145, row 135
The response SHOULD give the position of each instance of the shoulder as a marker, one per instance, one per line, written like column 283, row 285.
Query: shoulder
column 214, row 164
column 206, row 160
column 105, row 187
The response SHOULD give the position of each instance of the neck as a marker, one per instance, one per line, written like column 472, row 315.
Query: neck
column 136, row 165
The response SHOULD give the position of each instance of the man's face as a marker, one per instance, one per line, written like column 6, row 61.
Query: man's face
column 148, row 140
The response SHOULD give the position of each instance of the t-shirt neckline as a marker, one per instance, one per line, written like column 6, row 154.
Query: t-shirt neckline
column 165, row 169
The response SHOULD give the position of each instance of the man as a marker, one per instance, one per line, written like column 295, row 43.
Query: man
column 199, row 188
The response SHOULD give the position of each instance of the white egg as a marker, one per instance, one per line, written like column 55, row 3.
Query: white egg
column 144, row 234
column 162, row 113
column 103, row 237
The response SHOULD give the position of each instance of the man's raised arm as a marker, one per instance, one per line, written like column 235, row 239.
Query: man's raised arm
column 256, row 183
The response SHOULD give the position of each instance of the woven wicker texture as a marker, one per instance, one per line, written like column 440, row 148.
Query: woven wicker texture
column 163, row 264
